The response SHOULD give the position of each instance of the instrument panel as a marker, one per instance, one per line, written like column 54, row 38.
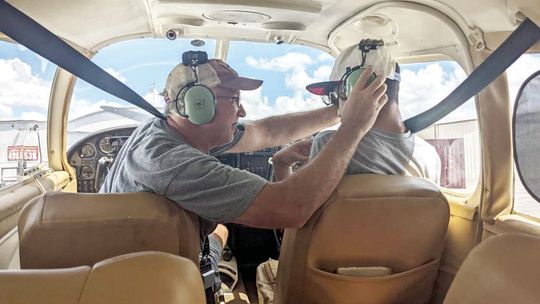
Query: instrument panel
column 92, row 157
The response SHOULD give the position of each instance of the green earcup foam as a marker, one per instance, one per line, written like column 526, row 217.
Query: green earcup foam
column 199, row 104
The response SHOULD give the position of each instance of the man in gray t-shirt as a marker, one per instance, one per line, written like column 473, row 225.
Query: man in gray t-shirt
column 157, row 159
column 171, row 157
column 382, row 152
column 388, row 148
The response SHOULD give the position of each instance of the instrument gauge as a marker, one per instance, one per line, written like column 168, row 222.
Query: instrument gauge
column 108, row 145
column 88, row 150
column 86, row 172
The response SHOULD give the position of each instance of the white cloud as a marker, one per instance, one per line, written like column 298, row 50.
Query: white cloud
column 325, row 57
column 153, row 97
column 116, row 74
column 422, row 89
column 6, row 112
column 295, row 66
column 297, row 102
column 20, row 88
column 287, row 62
column 322, row 73
column 44, row 63
column 258, row 106
column 81, row 107
column 296, row 77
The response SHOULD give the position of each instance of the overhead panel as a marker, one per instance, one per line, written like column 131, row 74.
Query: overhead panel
column 407, row 31
column 272, row 21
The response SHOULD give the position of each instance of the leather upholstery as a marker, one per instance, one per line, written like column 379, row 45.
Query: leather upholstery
column 501, row 269
column 370, row 220
column 59, row 230
column 144, row 278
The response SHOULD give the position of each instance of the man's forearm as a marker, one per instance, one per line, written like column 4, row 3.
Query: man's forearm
column 291, row 202
column 282, row 129
column 320, row 177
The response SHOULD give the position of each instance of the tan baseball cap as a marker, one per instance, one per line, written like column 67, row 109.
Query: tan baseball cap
column 381, row 60
column 211, row 74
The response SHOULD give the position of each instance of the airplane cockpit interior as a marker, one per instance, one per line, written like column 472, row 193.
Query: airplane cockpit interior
column 457, row 220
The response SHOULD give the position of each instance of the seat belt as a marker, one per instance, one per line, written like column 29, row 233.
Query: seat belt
column 32, row 35
column 509, row 51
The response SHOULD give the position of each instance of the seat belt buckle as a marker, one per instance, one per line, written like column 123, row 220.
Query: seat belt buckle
column 208, row 274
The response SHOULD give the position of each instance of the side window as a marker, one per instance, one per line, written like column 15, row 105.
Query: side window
column 517, row 73
column 286, row 70
column 25, row 86
column 455, row 137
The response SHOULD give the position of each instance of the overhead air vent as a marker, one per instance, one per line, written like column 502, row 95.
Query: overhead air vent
column 236, row 17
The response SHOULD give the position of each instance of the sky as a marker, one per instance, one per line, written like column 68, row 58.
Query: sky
column 143, row 65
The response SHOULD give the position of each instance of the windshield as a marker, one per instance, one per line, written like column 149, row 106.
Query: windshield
column 144, row 64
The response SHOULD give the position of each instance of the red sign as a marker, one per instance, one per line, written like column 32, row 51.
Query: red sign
column 23, row 153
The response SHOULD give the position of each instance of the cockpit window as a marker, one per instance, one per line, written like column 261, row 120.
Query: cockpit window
column 455, row 137
column 141, row 64
column 25, row 82
column 286, row 70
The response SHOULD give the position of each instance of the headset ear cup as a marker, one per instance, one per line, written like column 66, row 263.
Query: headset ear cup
column 178, row 103
column 199, row 104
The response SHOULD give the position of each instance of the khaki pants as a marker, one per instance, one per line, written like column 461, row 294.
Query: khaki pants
column 266, row 281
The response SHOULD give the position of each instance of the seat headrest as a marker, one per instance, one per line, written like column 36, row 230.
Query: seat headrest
column 59, row 230
column 143, row 277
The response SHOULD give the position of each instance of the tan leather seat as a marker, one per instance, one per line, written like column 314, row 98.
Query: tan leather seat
column 370, row 220
column 144, row 277
column 59, row 230
column 501, row 269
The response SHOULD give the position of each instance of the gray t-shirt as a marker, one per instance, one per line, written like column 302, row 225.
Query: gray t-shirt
column 157, row 159
column 389, row 153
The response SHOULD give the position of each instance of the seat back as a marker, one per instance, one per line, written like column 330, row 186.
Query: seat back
column 501, row 269
column 59, row 230
column 369, row 221
column 144, row 277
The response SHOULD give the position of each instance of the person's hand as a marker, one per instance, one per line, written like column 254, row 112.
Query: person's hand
column 296, row 152
column 360, row 110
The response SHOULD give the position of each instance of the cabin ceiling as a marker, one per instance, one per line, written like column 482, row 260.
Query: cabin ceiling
column 93, row 24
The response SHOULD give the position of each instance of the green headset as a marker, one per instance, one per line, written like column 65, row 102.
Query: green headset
column 195, row 101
